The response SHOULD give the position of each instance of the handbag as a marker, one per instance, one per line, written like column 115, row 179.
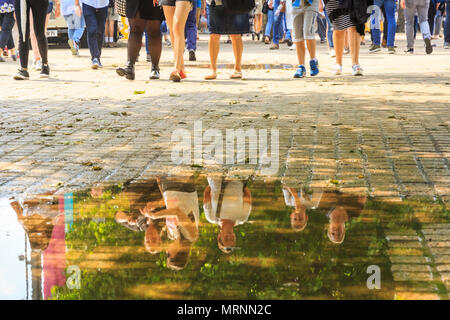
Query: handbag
column 238, row 6
column 265, row 7
column 121, row 7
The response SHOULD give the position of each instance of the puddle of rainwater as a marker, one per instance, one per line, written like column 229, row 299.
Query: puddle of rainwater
column 286, row 243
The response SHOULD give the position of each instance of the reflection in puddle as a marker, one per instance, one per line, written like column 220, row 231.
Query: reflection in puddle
column 210, row 237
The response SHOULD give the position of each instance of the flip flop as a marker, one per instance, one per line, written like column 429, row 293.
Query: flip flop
column 236, row 75
column 212, row 76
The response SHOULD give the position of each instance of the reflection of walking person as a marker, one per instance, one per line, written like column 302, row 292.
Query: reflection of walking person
column 38, row 10
column 227, row 203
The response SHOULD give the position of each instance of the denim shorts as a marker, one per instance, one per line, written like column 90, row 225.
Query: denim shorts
column 171, row 3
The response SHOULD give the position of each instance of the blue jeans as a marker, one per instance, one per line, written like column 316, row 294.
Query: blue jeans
column 389, row 7
column 277, row 23
column 286, row 30
column 95, row 25
column 190, row 29
column 329, row 30
column 447, row 22
column 269, row 25
column 75, row 27
column 321, row 28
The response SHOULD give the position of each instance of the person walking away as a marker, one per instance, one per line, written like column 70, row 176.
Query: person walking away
column 24, row 10
column 421, row 7
column 191, row 32
column 75, row 25
column 305, row 26
column 176, row 13
column 6, row 23
column 222, row 21
column 347, row 16
column 111, row 19
column 389, row 7
column 143, row 16
column 447, row 26
column 95, row 13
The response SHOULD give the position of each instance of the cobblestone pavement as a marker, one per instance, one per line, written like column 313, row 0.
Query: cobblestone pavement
column 386, row 133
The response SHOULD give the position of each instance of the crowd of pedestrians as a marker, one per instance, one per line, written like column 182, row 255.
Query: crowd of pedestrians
column 341, row 24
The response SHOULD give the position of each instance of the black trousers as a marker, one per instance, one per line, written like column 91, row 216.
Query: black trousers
column 38, row 8
column 6, row 23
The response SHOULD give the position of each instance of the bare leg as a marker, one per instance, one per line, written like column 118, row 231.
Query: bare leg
column 354, row 39
column 238, row 48
column 311, row 44
column 301, row 52
column 339, row 40
column 214, row 48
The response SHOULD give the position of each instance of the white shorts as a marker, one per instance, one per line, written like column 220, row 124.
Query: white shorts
column 305, row 25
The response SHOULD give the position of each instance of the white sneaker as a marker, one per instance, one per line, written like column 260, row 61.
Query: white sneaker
column 337, row 69
column 292, row 47
column 37, row 65
column 332, row 53
column 357, row 70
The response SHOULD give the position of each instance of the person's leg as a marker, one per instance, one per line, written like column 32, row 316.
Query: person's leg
column 422, row 14
column 101, row 15
column 155, row 40
column 182, row 9
column 91, row 29
column 213, row 47
column 277, row 24
column 321, row 29
column 258, row 23
column 238, row 48
column 301, row 52
column 137, row 27
column 191, row 29
column 437, row 23
column 447, row 23
column 7, row 23
column 78, row 32
column 269, row 24
column 24, row 35
column 39, row 13
column 329, row 31
column 409, row 11
column 169, row 13
column 431, row 14
column 33, row 40
column 354, row 41
column 339, row 42
column 389, row 6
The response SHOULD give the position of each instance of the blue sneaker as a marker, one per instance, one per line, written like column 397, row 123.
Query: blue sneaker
column 314, row 65
column 301, row 72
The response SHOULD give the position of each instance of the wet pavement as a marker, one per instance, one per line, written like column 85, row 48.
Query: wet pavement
column 119, row 242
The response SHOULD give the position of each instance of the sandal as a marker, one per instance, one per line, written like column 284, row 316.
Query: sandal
column 175, row 76
column 212, row 76
column 236, row 75
column 182, row 74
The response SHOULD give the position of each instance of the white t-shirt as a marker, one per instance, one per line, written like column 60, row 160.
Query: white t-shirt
column 309, row 201
column 233, row 206
column 187, row 202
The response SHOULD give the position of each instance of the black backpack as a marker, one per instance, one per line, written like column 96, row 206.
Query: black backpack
column 239, row 6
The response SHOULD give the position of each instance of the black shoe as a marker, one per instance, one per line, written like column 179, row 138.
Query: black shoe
column 428, row 46
column 45, row 71
column 155, row 72
column 22, row 75
column 14, row 57
column 1, row 59
column 409, row 51
column 289, row 42
column 192, row 56
column 127, row 71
